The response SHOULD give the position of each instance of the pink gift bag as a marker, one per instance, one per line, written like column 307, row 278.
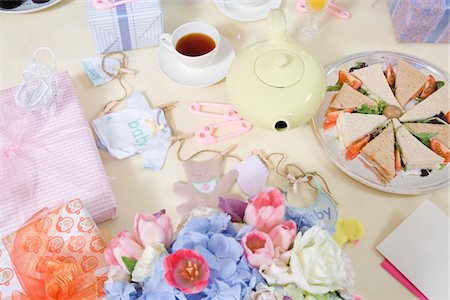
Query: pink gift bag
column 46, row 159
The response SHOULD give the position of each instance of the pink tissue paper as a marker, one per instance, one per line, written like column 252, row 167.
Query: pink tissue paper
column 45, row 159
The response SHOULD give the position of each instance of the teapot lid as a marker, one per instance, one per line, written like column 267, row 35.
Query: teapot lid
column 279, row 68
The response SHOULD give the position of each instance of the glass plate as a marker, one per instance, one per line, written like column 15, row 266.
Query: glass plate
column 29, row 6
column 402, row 183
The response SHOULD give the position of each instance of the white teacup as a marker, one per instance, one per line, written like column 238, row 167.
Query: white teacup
column 250, row 3
column 170, row 42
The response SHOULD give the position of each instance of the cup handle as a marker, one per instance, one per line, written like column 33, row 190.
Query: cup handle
column 166, row 40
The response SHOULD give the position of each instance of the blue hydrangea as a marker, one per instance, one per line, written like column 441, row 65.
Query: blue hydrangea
column 120, row 290
column 214, row 238
column 156, row 288
column 220, row 290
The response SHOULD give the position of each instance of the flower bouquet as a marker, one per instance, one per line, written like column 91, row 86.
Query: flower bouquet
column 243, row 250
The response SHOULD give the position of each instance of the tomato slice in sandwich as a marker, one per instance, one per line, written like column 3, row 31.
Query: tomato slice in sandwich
column 398, row 160
column 354, row 149
column 352, row 81
column 390, row 75
column 447, row 116
column 440, row 149
column 429, row 88
column 331, row 118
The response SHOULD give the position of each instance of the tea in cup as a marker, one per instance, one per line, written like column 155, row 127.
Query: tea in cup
column 194, row 44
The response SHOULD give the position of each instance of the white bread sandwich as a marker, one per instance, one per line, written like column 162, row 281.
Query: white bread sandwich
column 352, row 127
column 348, row 97
column 436, row 103
column 373, row 79
column 414, row 154
column 408, row 83
column 441, row 132
column 379, row 154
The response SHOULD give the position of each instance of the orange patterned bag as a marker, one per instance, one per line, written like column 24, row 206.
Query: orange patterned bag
column 57, row 255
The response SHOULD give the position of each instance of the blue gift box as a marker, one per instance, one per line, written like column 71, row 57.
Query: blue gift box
column 134, row 25
column 420, row 21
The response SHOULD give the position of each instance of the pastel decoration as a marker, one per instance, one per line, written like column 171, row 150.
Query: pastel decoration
column 350, row 230
column 322, row 212
column 131, row 25
column 93, row 67
column 136, row 129
column 52, row 264
column 252, row 175
column 45, row 159
column 204, row 185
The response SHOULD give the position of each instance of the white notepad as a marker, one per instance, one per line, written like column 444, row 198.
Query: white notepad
column 420, row 249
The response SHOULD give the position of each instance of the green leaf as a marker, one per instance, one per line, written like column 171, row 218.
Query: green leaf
column 439, row 84
column 372, row 110
column 359, row 64
column 424, row 137
column 363, row 91
column 336, row 87
column 130, row 263
column 442, row 166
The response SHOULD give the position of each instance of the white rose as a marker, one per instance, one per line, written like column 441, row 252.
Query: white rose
column 264, row 292
column 276, row 272
column 145, row 266
column 316, row 262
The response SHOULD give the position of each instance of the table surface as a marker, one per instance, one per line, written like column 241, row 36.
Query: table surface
column 64, row 28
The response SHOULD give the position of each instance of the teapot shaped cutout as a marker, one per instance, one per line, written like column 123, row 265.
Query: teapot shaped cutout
column 275, row 84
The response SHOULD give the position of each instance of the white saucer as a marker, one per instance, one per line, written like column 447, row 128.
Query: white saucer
column 29, row 6
column 183, row 75
column 236, row 11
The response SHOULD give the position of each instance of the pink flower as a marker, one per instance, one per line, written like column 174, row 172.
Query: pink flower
column 266, row 210
column 124, row 245
column 283, row 234
column 187, row 271
column 153, row 229
column 258, row 248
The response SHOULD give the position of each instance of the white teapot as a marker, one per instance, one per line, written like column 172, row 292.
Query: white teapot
column 276, row 84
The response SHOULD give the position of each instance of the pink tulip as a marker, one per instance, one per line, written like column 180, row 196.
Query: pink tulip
column 124, row 245
column 266, row 210
column 187, row 271
column 258, row 248
column 153, row 229
column 283, row 235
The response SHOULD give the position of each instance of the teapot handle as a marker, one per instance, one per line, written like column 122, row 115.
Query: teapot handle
column 277, row 26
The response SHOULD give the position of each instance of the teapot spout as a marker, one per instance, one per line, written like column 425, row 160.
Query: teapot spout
column 277, row 26
column 281, row 126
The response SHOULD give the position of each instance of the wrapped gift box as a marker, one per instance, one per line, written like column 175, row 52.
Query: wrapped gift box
column 137, row 24
column 45, row 159
column 62, row 235
column 418, row 21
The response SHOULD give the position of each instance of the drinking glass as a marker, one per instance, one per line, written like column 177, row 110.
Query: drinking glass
column 315, row 7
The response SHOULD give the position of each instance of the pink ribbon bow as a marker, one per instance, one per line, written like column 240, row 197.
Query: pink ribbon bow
column 295, row 181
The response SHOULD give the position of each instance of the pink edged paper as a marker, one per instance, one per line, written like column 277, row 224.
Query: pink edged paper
column 45, row 159
column 419, row 249
column 402, row 279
